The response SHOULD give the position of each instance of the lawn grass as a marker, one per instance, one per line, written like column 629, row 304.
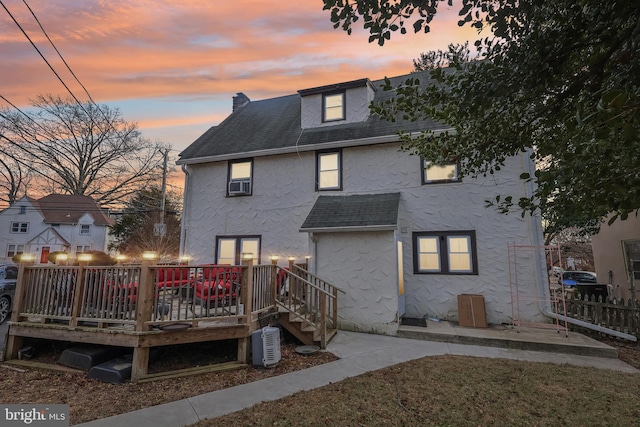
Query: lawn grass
column 458, row 391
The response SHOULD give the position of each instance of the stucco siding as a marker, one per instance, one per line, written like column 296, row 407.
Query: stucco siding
column 357, row 110
column 363, row 265
column 284, row 192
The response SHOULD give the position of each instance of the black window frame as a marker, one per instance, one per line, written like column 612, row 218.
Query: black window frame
column 425, row 181
column 321, row 153
column 230, row 164
column 444, row 251
column 324, row 106
column 238, row 239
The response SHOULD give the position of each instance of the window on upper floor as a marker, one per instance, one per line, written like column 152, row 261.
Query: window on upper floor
column 229, row 249
column 333, row 107
column 445, row 252
column 23, row 209
column 13, row 250
column 240, row 178
column 85, row 229
column 439, row 174
column 19, row 227
column 329, row 170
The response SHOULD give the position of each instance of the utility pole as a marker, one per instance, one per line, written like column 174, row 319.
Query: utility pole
column 160, row 229
column 164, row 185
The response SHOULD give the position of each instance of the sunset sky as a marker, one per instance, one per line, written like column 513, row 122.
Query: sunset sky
column 173, row 66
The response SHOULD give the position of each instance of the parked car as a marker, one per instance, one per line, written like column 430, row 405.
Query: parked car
column 8, row 276
column 573, row 278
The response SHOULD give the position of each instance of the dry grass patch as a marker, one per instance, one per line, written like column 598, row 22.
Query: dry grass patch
column 458, row 391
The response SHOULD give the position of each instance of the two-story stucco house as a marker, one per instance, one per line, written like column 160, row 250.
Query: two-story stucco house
column 57, row 222
column 314, row 174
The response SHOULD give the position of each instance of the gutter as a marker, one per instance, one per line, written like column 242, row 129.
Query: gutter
column 185, row 200
column 302, row 148
column 390, row 227
column 544, row 299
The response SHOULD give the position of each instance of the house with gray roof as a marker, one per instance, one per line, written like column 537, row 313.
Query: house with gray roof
column 313, row 175
column 57, row 222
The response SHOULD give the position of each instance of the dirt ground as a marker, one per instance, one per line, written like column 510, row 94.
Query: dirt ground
column 90, row 399
column 75, row 389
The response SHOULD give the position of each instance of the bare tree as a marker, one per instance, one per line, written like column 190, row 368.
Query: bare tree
column 86, row 148
column 14, row 175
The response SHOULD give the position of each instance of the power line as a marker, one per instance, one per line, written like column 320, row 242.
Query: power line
column 45, row 59
column 58, row 52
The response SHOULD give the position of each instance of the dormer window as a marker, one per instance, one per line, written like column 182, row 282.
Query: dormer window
column 333, row 107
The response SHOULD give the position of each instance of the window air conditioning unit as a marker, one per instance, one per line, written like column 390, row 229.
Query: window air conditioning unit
column 265, row 345
column 240, row 187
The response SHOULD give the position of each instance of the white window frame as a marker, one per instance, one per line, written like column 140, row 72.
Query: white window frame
column 444, row 252
column 82, row 248
column 20, row 227
column 85, row 229
column 14, row 249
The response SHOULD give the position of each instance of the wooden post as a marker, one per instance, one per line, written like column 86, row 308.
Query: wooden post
column 274, row 279
column 335, row 309
column 292, row 286
column 246, row 297
column 139, row 363
column 144, row 299
column 77, row 293
column 144, row 308
column 323, row 319
column 14, row 343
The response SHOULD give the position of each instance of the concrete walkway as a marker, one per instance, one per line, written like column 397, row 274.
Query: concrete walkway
column 359, row 353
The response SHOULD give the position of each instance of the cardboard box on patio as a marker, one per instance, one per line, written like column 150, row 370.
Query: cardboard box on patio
column 471, row 311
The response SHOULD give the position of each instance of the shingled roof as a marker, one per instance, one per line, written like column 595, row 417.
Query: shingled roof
column 355, row 211
column 69, row 208
column 274, row 125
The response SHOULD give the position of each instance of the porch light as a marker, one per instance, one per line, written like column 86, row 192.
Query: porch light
column 291, row 258
column 27, row 257
column 120, row 258
column 185, row 259
column 308, row 257
column 149, row 255
column 247, row 255
column 274, row 257
column 84, row 257
column 62, row 257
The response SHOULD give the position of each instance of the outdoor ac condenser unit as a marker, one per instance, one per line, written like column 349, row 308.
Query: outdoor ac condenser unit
column 265, row 345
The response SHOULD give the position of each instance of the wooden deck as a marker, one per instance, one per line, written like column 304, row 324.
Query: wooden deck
column 147, row 305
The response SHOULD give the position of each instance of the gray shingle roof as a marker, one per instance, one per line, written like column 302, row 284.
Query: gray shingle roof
column 353, row 211
column 275, row 123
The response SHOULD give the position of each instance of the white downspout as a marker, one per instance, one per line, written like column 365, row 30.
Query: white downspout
column 185, row 199
column 545, row 301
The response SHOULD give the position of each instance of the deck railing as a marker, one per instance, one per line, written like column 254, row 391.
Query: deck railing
column 311, row 298
column 141, row 296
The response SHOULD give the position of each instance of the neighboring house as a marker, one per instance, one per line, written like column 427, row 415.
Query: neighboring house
column 314, row 175
column 58, row 222
column 614, row 247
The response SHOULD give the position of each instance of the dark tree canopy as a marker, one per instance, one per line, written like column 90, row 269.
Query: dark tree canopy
column 135, row 232
column 558, row 79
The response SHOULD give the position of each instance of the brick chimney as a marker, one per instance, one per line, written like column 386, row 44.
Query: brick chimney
column 240, row 100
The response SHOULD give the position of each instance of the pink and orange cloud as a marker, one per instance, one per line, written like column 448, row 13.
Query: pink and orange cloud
column 173, row 65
